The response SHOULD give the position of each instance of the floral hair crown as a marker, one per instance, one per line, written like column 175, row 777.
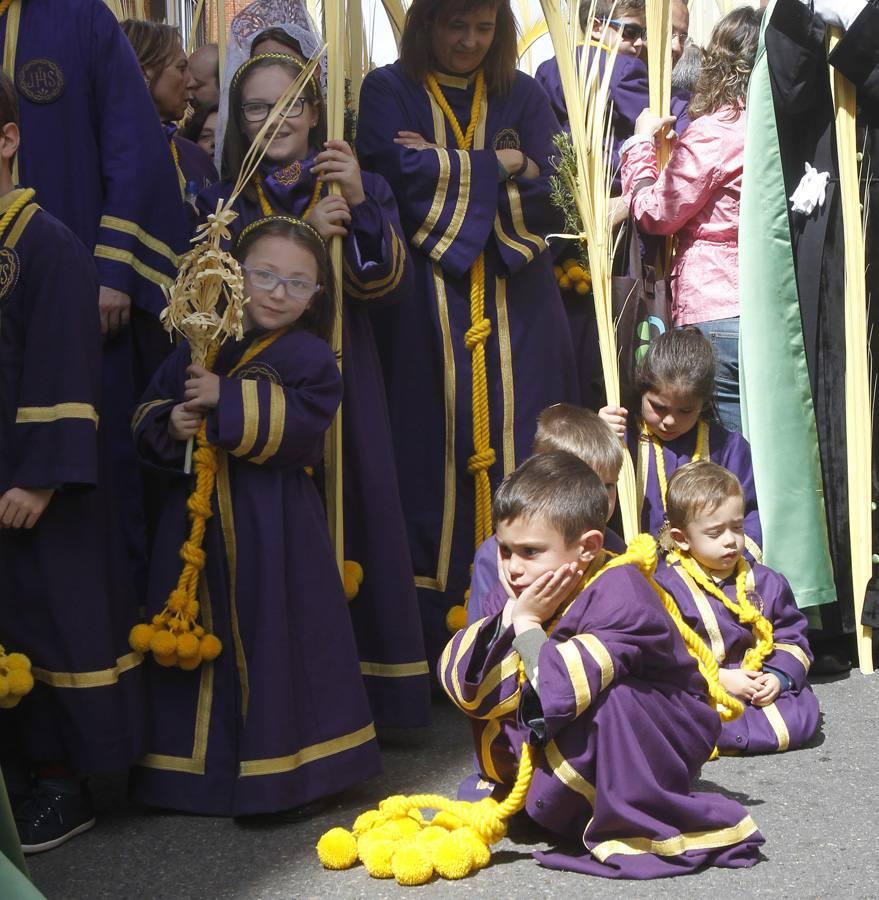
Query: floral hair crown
column 268, row 220
column 275, row 57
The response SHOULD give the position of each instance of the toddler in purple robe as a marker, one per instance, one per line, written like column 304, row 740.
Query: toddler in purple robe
column 580, row 431
column 746, row 614
column 584, row 663
column 280, row 719
column 676, row 424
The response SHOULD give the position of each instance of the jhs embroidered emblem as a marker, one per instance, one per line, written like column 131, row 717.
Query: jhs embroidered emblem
column 507, row 139
column 288, row 174
column 9, row 269
column 40, row 81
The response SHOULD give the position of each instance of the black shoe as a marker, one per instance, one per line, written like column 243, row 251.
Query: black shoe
column 51, row 816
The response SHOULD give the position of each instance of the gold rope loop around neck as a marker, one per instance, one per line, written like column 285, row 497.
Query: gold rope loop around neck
column 657, row 444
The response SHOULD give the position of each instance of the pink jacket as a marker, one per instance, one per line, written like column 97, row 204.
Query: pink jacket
column 697, row 198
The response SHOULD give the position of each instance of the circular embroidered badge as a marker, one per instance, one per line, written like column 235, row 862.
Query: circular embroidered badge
column 507, row 139
column 40, row 81
column 9, row 269
column 288, row 174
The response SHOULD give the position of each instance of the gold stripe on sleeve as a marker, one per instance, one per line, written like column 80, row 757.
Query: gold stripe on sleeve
column 461, row 203
column 114, row 223
column 277, row 417
column 102, row 251
column 796, row 652
column 250, row 411
column 577, row 674
column 439, row 198
column 56, row 413
column 600, row 654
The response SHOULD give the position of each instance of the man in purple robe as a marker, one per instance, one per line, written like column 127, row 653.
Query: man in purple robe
column 467, row 216
column 64, row 601
column 610, row 693
column 113, row 184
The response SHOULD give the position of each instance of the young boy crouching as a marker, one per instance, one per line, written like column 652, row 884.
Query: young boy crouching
column 608, row 691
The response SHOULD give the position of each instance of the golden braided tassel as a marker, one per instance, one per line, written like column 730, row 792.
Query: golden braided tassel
column 16, row 679
column 174, row 637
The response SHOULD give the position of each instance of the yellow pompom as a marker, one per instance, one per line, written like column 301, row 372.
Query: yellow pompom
column 564, row 282
column 177, row 601
column 456, row 619
column 187, row 646
column 558, row 271
column 140, row 636
column 576, row 272
column 582, row 287
column 198, row 631
column 191, row 609
column 20, row 682
column 190, row 663
column 352, row 578
column 569, row 264
column 478, row 849
column 430, row 835
column 167, row 660
column 159, row 619
column 337, row 849
column 452, row 859
column 447, row 820
column 210, row 647
column 376, row 856
column 405, row 827
column 18, row 661
column 9, row 702
column 4, row 687
column 411, row 865
column 163, row 643
column 365, row 821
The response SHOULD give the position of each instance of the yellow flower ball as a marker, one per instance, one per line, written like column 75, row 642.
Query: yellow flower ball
column 4, row 687
column 210, row 647
column 163, row 643
column 177, row 601
column 446, row 820
column 20, row 681
column 9, row 702
column 411, row 865
column 167, row 660
column 187, row 646
column 350, row 586
column 337, row 849
column 476, row 846
column 376, row 856
column 430, row 835
column 18, row 661
column 159, row 619
column 456, row 619
column 452, row 859
column 569, row 264
column 353, row 569
column 140, row 636
column 576, row 272
column 198, row 631
column 405, row 827
column 564, row 282
column 190, row 663
column 365, row 821
column 582, row 287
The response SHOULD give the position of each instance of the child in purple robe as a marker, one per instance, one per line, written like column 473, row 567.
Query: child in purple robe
column 608, row 691
column 294, row 179
column 746, row 614
column 583, row 433
column 281, row 717
column 675, row 425
column 65, row 604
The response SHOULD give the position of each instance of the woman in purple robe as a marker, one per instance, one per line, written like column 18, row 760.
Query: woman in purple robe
column 675, row 425
column 294, row 180
column 781, row 712
column 465, row 142
column 281, row 717
column 65, row 602
column 163, row 61
column 609, row 696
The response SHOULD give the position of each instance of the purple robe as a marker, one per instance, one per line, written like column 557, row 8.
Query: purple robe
column 629, row 93
column 485, row 578
column 791, row 720
column 281, row 717
column 726, row 448
column 385, row 611
column 453, row 208
column 195, row 168
column 64, row 602
column 93, row 149
column 620, row 713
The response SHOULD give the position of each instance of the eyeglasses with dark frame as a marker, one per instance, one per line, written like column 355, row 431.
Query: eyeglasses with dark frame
column 295, row 288
column 258, row 111
column 628, row 30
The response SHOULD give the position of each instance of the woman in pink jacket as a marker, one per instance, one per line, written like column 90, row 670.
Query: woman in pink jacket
column 696, row 197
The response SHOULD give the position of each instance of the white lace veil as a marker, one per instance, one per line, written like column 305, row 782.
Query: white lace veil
column 290, row 16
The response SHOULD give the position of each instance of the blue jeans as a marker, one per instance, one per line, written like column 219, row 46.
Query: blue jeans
column 724, row 337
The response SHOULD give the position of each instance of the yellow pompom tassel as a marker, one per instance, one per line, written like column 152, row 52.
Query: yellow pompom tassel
column 16, row 679
column 140, row 636
column 187, row 646
column 376, row 856
column 352, row 578
column 210, row 647
column 365, row 821
column 166, row 660
column 189, row 663
column 21, row 682
column 4, row 687
column 446, row 820
column 337, row 849
column 9, row 702
column 451, row 859
column 411, row 865
column 456, row 619
column 163, row 643
column 479, row 851
column 18, row 661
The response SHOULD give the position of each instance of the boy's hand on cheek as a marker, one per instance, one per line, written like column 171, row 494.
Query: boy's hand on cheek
column 539, row 601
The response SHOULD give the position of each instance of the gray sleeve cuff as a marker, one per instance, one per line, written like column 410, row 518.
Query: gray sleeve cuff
column 528, row 645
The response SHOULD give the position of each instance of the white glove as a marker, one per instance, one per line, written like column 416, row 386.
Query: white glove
column 810, row 191
column 838, row 12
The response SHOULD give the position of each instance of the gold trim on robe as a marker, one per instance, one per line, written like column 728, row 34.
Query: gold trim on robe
column 142, row 410
column 778, row 725
column 102, row 251
column 277, row 418
column 28, row 414
column 394, row 670
column 567, row 774
column 506, row 361
column 250, row 412
column 379, row 287
column 114, row 223
column 489, row 733
column 99, row 678
column 796, row 652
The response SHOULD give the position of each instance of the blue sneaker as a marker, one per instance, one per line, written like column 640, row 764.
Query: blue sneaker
column 52, row 816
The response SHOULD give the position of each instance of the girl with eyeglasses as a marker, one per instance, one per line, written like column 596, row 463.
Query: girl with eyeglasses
column 294, row 179
column 280, row 718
